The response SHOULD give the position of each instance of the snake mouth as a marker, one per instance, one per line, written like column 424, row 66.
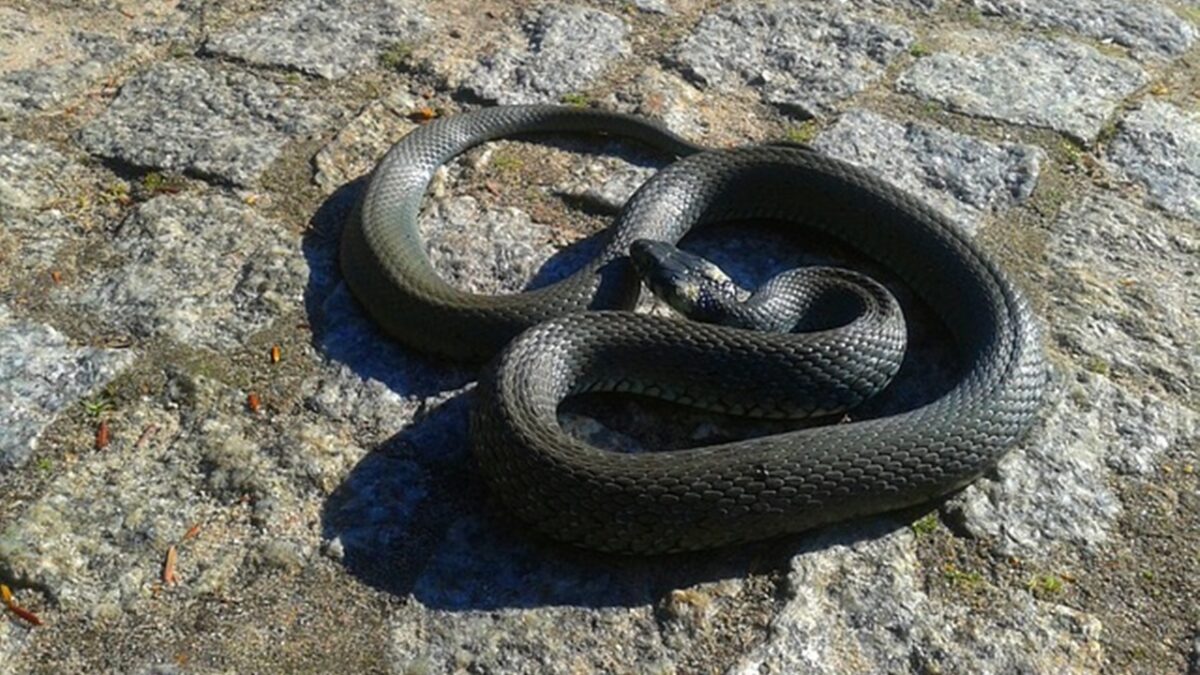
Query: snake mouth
column 671, row 274
column 658, row 264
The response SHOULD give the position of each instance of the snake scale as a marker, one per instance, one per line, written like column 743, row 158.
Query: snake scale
column 577, row 335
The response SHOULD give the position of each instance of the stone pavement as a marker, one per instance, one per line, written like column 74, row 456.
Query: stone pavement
column 173, row 177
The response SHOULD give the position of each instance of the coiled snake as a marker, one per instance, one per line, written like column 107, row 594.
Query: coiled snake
column 552, row 343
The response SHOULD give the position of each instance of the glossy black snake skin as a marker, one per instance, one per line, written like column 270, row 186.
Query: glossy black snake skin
column 552, row 343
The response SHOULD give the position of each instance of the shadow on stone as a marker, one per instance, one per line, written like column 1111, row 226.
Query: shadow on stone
column 388, row 515
column 345, row 334
column 342, row 331
column 414, row 518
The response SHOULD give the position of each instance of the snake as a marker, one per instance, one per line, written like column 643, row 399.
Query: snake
column 579, row 335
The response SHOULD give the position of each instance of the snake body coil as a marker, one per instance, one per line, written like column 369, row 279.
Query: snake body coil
column 715, row 495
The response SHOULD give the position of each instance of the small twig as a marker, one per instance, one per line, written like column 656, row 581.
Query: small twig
column 168, row 574
column 7, row 596
column 147, row 434
column 192, row 532
column 103, row 436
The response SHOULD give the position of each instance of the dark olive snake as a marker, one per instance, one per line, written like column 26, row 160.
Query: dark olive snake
column 555, row 342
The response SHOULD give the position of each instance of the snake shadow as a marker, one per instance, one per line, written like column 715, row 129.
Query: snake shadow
column 414, row 519
column 345, row 334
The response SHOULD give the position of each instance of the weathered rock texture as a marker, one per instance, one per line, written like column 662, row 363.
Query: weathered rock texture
column 228, row 125
column 43, row 66
column 205, row 271
column 967, row 178
column 1158, row 146
column 42, row 374
column 212, row 460
column 559, row 50
column 1057, row 84
column 1150, row 28
column 805, row 58
column 329, row 38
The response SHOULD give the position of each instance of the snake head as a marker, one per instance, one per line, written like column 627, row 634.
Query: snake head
column 691, row 285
